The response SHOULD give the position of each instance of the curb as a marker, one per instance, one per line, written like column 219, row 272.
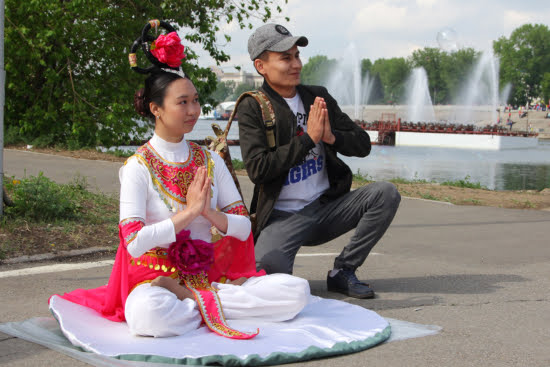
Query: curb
column 64, row 156
column 52, row 256
column 428, row 200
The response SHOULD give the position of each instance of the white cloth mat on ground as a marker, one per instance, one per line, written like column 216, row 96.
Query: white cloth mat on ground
column 324, row 328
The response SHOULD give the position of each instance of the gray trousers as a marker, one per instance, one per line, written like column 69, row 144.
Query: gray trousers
column 369, row 209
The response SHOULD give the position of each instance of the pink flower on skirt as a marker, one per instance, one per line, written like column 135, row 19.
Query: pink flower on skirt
column 191, row 256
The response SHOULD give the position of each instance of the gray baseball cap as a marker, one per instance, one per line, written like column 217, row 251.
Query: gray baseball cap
column 272, row 37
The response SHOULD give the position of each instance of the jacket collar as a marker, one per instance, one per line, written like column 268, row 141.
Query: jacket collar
column 305, row 95
column 272, row 93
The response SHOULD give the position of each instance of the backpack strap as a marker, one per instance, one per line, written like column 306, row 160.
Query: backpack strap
column 268, row 115
column 219, row 142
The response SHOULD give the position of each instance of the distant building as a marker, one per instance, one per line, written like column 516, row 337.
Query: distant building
column 237, row 78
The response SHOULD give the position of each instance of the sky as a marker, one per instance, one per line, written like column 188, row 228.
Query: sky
column 387, row 28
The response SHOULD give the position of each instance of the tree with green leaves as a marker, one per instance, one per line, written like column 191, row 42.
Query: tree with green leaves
column 240, row 89
column 524, row 60
column 316, row 70
column 545, row 86
column 456, row 68
column 223, row 91
column 68, row 80
column 377, row 90
column 366, row 66
column 432, row 60
column 392, row 74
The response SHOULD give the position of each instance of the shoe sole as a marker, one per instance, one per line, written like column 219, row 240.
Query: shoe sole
column 354, row 295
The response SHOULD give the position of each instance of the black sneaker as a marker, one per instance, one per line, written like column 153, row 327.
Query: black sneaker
column 347, row 283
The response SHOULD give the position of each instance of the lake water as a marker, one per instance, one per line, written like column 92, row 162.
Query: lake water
column 497, row 170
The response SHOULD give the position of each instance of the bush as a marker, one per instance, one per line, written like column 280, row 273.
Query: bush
column 12, row 135
column 44, row 140
column 40, row 199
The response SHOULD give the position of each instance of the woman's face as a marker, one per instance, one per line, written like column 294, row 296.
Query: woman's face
column 180, row 110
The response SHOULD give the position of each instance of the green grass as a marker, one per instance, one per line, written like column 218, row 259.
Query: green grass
column 37, row 199
column 525, row 204
column 465, row 183
column 237, row 164
column 5, row 249
column 47, row 216
column 428, row 196
column 361, row 178
column 404, row 181
column 473, row 201
column 529, row 204
column 120, row 153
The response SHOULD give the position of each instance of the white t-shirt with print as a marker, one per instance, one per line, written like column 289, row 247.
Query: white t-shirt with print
column 309, row 179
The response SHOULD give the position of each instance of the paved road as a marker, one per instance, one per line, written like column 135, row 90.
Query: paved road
column 480, row 273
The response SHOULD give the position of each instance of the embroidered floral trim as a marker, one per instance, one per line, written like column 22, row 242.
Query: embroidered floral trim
column 126, row 221
column 129, row 229
column 210, row 167
column 211, row 308
column 171, row 179
column 237, row 207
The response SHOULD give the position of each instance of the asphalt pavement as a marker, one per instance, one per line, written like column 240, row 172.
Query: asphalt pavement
column 480, row 273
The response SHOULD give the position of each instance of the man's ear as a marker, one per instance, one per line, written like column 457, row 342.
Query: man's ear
column 259, row 65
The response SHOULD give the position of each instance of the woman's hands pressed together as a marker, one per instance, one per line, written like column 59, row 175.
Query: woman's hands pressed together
column 199, row 204
column 198, row 193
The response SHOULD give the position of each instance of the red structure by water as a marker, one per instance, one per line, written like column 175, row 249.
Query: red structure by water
column 387, row 129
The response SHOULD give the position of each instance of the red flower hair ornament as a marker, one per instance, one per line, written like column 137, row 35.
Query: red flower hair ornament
column 168, row 49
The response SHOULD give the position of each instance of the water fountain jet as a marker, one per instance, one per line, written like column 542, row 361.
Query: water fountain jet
column 418, row 100
column 345, row 83
column 481, row 89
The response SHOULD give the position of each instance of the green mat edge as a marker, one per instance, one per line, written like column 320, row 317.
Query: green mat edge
column 312, row 352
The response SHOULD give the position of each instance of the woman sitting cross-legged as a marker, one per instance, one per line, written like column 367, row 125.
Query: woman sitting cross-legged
column 182, row 226
column 166, row 189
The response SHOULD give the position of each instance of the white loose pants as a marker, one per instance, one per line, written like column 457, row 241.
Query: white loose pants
column 155, row 311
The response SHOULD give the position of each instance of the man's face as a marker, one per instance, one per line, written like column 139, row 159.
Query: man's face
column 281, row 69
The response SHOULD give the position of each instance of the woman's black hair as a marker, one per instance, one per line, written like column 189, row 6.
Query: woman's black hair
column 155, row 88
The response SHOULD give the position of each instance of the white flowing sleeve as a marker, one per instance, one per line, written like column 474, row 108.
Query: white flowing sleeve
column 230, row 201
column 135, row 180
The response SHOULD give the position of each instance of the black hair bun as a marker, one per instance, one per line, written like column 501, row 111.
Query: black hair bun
column 143, row 43
column 140, row 105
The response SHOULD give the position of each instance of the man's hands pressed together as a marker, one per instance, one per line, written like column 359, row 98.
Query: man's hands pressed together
column 318, row 124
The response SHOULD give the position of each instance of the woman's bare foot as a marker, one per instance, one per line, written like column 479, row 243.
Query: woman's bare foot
column 238, row 281
column 173, row 286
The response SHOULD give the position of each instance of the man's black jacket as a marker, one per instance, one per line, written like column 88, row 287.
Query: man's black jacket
column 268, row 169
